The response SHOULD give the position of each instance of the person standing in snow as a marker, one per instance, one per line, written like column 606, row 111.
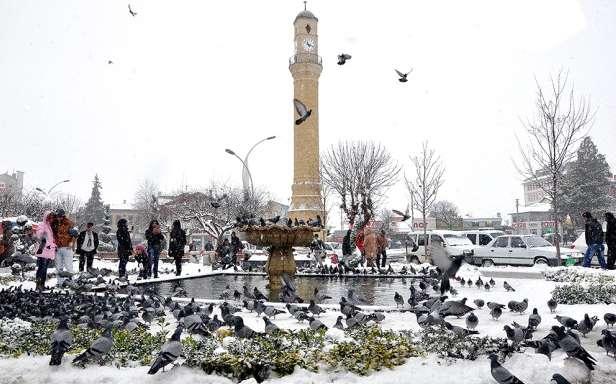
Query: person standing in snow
column 177, row 242
column 62, row 227
column 155, row 244
column 46, row 250
column 370, row 246
column 359, row 243
column 610, row 239
column 125, row 246
column 224, row 253
column 87, row 243
column 236, row 247
column 316, row 246
column 594, row 240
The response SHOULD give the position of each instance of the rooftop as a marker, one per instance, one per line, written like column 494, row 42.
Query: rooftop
column 306, row 14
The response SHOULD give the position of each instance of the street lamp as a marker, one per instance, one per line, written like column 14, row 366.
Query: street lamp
column 246, row 175
column 52, row 188
column 249, row 174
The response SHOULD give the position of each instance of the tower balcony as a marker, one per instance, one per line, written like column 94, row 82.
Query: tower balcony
column 305, row 58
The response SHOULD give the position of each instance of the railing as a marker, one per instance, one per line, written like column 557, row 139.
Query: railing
column 305, row 58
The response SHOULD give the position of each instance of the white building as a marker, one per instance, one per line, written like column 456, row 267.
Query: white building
column 12, row 182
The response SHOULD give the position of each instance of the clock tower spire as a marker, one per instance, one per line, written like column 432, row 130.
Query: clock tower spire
column 305, row 67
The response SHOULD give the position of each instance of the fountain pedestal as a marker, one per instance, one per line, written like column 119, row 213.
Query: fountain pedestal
column 280, row 241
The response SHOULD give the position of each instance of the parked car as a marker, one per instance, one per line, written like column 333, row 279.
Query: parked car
column 482, row 237
column 522, row 250
column 457, row 244
column 333, row 248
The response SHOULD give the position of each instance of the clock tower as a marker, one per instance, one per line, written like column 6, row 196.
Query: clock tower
column 305, row 67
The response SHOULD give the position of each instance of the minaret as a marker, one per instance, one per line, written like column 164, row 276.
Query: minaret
column 305, row 67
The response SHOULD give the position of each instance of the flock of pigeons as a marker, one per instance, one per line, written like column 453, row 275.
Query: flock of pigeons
column 252, row 221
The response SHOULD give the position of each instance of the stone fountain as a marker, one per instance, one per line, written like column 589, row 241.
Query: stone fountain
column 280, row 240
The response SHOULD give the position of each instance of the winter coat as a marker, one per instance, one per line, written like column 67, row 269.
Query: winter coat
column 47, row 248
column 593, row 232
column 61, row 232
column 359, row 241
column 346, row 244
column 381, row 242
column 177, row 242
column 370, row 243
column 81, row 238
column 155, row 241
column 236, row 244
column 141, row 255
column 125, row 246
column 610, row 233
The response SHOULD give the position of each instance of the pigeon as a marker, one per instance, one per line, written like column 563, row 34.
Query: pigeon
column 567, row 321
column 258, row 294
column 552, row 304
column 338, row 324
column 247, row 293
column 471, row 321
column 274, row 220
column 557, row 378
column 515, row 334
column 237, row 295
column 479, row 283
column 320, row 297
column 454, row 308
column 342, row 58
column 398, row 299
column 572, row 347
column 609, row 319
column 479, row 303
column 608, row 342
column 272, row 311
column 109, row 62
column 534, row 319
column 587, row 324
column 403, row 76
column 289, row 222
column 316, row 325
column 130, row 10
column 169, row 352
column 493, row 305
column 487, row 286
column 216, row 205
column 469, row 282
column 496, row 312
column 270, row 328
column 459, row 331
column 303, row 113
column 508, row 287
column 544, row 347
column 518, row 306
column 99, row 348
column 492, row 282
column 61, row 341
column 500, row 373
column 405, row 215
column 262, row 222
column 242, row 331
column 315, row 309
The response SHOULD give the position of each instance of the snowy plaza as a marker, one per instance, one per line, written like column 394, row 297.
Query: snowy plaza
column 292, row 191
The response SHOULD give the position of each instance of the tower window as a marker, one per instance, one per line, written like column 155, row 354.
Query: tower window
column 308, row 28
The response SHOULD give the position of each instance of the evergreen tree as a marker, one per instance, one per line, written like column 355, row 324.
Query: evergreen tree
column 94, row 210
column 105, row 243
column 586, row 184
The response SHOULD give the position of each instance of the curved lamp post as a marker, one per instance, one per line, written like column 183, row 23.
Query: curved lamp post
column 246, row 175
column 52, row 188
column 249, row 174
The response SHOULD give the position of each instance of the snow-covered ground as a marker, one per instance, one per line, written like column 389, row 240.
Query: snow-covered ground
column 528, row 366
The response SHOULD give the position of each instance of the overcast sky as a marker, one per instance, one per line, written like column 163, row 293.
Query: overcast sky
column 190, row 78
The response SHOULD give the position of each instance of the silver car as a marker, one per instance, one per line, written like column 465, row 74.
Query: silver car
column 522, row 250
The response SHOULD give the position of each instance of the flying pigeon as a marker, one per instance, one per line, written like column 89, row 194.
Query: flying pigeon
column 130, row 10
column 343, row 57
column 302, row 111
column 405, row 215
column 169, row 352
column 403, row 76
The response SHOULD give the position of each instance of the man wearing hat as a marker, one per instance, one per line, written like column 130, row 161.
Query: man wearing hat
column 87, row 243
column 63, row 235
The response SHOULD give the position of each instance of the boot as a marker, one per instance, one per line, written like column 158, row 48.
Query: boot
column 40, row 285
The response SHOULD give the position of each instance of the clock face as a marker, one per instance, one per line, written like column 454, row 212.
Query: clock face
column 309, row 44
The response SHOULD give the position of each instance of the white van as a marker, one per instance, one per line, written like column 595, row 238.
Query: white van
column 456, row 243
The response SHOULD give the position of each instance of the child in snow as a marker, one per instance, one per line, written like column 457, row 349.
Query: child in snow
column 141, row 257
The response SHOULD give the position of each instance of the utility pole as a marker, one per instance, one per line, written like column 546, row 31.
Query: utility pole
column 517, row 213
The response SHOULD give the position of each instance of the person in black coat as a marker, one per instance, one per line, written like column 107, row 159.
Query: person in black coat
column 177, row 242
column 155, row 244
column 87, row 243
column 610, row 239
column 594, row 240
column 125, row 246
column 236, row 246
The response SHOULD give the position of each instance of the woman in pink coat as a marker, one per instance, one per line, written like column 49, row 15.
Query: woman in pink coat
column 46, row 251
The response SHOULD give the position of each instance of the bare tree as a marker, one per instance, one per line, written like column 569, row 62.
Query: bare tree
column 32, row 204
column 552, row 135
column 446, row 212
column 212, row 211
column 385, row 216
column 146, row 199
column 359, row 172
column 427, row 181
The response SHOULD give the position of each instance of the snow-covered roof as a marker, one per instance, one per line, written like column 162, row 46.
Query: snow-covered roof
column 537, row 207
